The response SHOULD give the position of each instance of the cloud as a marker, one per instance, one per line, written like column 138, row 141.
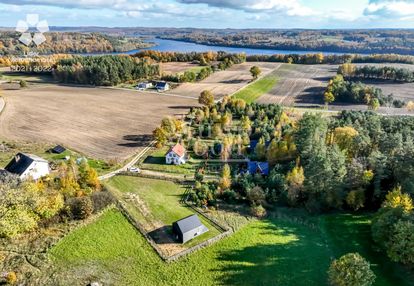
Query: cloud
column 69, row 4
column 290, row 8
column 390, row 8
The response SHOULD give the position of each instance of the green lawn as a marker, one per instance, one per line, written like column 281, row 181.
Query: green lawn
column 352, row 233
column 161, row 198
column 257, row 89
column 9, row 149
column 262, row 253
column 275, row 251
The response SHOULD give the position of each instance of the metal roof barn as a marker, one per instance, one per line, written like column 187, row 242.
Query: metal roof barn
column 188, row 228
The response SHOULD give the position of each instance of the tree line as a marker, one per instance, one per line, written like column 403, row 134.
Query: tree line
column 319, row 58
column 376, row 72
column 71, row 42
column 108, row 70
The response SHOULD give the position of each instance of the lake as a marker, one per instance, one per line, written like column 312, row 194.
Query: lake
column 184, row 47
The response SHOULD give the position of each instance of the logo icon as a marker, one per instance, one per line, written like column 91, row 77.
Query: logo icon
column 24, row 27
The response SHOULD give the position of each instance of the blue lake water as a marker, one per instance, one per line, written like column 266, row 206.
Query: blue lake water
column 179, row 46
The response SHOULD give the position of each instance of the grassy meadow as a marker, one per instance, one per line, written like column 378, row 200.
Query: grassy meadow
column 257, row 89
column 273, row 251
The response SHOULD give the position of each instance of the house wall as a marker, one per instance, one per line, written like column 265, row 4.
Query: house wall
column 36, row 170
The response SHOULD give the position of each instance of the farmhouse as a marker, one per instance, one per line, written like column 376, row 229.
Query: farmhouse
column 28, row 166
column 176, row 155
column 188, row 228
column 144, row 85
column 162, row 86
column 258, row 168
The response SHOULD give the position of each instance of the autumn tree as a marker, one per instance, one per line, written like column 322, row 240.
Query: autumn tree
column 328, row 97
column 260, row 149
column 225, row 179
column 295, row 179
column 206, row 98
column 397, row 199
column 255, row 71
column 344, row 137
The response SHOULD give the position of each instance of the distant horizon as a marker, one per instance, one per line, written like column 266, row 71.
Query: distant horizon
column 206, row 28
column 215, row 14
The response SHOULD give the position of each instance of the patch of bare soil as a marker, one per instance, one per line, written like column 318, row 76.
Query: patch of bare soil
column 99, row 122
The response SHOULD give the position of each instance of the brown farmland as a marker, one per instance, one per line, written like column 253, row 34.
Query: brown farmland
column 102, row 123
column 303, row 85
column 176, row 67
column 224, row 82
column 300, row 85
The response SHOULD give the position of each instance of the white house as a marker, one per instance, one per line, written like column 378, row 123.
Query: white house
column 176, row 155
column 144, row 85
column 162, row 86
column 28, row 166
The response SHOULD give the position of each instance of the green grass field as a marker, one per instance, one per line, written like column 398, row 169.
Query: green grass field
column 268, row 252
column 9, row 149
column 257, row 89
column 161, row 198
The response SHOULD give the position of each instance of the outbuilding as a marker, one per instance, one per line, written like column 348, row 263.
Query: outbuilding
column 188, row 228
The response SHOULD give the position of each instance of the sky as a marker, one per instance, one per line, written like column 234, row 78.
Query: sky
column 315, row 14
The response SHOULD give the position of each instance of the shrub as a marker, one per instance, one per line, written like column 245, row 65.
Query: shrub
column 23, row 84
column 258, row 211
column 356, row 199
column 81, row 208
column 11, row 278
column 101, row 200
column 383, row 223
column 351, row 270
column 256, row 196
column 401, row 245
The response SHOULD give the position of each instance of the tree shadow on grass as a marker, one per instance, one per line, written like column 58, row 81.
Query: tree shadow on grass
column 134, row 141
column 288, row 255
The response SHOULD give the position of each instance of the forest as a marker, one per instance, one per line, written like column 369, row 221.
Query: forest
column 104, row 70
column 343, row 41
column 71, row 42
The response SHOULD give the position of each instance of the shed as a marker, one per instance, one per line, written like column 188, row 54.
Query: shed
column 188, row 228
column 58, row 149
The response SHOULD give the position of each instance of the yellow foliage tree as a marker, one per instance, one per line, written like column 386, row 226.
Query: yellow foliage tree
column 397, row 199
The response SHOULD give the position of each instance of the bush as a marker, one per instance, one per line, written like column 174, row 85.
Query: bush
column 351, row 270
column 401, row 245
column 258, row 211
column 11, row 278
column 229, row 196
column 101, row 200
column 81, row 208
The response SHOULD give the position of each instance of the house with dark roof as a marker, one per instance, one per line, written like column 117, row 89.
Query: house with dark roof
column 188, row 228
column 144, row 85
column 176, row 155
column 254, row 167
column 162, row 86
column 28, row 166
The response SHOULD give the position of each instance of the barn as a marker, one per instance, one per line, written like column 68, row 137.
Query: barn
column 188, row 228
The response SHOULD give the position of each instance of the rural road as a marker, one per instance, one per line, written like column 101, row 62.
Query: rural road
column 128, row 165
column 2, row 104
